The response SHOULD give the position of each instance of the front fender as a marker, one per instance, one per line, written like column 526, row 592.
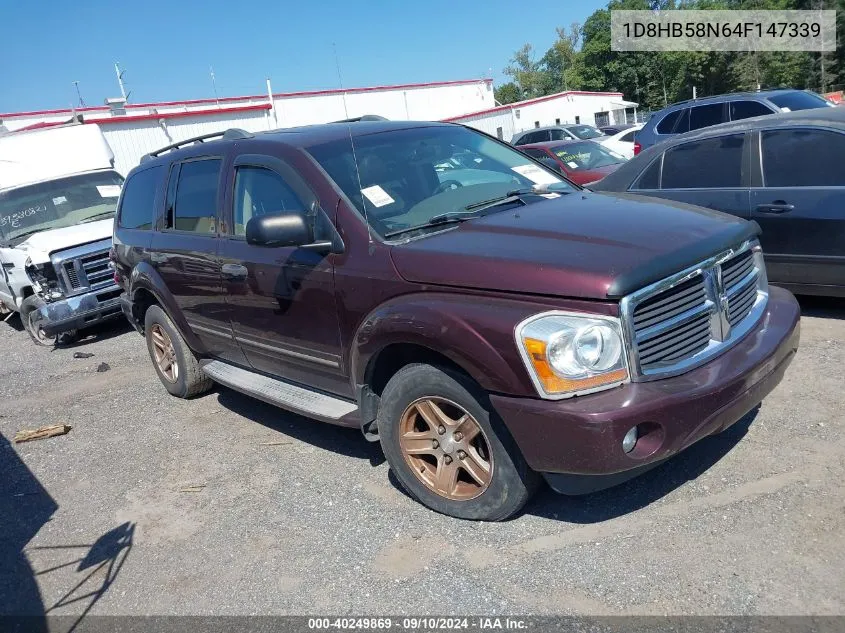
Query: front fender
column 475, row 332
column 145, row 277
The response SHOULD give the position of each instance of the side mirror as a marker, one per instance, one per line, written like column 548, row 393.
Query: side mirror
column 284, row 229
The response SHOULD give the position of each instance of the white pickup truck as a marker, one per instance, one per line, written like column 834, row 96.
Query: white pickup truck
column 58, row 194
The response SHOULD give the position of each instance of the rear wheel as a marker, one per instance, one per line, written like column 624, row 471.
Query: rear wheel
column 176, row 365
column 448, row 448
column 29, row 311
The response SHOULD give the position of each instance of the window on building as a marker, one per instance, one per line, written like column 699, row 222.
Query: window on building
column 803, row 158
column 137, row 207
column 577, row 119
column 713, row 163
column 500, row 133
column 195, row 209
column 747, row 109
column 536, row 124
column 259, row 191
column 557, row 121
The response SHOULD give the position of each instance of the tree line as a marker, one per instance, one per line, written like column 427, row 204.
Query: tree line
column 581, row 59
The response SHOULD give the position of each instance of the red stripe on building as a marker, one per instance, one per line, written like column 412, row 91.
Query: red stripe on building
column 528, row 102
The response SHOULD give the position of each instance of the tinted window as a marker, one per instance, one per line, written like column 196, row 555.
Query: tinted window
column 196, row 196
column 586, row 155
column 711, row 163
column 706, row 115
column 584, row 131
column 535, row 137
column 668, row 122
column 259, row 192
column 535, row 153
column 803, row 158
column 798, row 101
column 747, row 109
column 558, row 135
column 683, row 122
column 138, row 202
column 629, row 137
column 649, row 178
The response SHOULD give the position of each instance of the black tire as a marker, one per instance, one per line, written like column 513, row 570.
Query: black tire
column 190, row 380
column 512, row 482
column 67, row 338
column 28, row 308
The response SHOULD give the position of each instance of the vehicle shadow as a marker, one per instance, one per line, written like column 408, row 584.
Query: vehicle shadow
column 822, row 307
column 338, row 439
column 25, row 506
column 645, row 489
column 101, row 332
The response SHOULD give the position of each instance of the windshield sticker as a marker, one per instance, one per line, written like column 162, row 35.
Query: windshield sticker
column 572, row 164
column 378, row 196
column 108, row 191
column 59, row 200
column 14, row 219
column 535, row 174
column 550, row 196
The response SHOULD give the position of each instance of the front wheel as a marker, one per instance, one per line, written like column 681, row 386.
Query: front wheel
column 29, row 311
column 448, row 448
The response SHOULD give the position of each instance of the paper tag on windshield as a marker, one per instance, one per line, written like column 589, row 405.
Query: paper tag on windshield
column 535, row 174
column 59, row 200
column 550, row 196
column 108, row 191
column 378, row 196
column 573, row 164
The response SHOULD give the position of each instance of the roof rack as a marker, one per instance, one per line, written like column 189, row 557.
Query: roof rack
column 229, row 135
column 365, row 117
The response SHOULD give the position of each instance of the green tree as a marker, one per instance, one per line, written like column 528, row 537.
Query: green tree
column 507, row 93
column 525, row 72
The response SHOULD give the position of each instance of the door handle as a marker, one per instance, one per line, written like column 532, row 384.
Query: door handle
column 778, row 206
column 234, row 271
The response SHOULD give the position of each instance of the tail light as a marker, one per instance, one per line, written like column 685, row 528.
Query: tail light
column 637, row 148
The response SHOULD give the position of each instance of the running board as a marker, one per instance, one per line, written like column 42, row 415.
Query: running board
column 277, row 392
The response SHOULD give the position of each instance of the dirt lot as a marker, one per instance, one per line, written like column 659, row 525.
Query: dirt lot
column 224, row 505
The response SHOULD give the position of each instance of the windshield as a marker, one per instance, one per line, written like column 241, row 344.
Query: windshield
column 799, row 100
column 584, row 131
column 587, row 155
column 408, row 177
column 58, row 203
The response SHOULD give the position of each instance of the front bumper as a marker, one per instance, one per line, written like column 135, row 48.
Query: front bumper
column 77, row 312
column 577, row 443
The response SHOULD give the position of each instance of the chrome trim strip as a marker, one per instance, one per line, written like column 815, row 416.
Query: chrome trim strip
column 287, row 352
column 678, row 319
column 706, row 268
column 208, row 330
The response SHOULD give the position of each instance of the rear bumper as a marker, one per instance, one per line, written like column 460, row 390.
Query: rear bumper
column 577, row 443
column 77, row 312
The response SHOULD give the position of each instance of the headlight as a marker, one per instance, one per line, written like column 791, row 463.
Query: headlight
column 567, row 354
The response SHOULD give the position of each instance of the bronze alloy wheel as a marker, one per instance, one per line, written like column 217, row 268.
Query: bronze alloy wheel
column 165, row 355
column 446, row 448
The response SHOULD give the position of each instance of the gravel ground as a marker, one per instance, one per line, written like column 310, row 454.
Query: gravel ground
column 224, row 505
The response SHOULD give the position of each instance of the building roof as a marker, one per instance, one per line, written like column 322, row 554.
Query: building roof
column 528, row 102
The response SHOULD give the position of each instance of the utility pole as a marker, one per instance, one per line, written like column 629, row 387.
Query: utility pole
column 78, row 94
column 119, row 74
column 214, row 85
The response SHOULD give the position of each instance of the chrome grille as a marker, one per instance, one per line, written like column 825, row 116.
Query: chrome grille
column 73, row 278
column 96, row 270
column 84, row 268
column 681, row 321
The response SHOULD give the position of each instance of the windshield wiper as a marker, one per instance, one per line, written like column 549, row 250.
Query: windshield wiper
column 94, row 217
column 451, row 217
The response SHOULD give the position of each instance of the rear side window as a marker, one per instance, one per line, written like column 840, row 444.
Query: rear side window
column 259, row 191
column 747, row 109
column 668, row 123
column 650, row 178
column 706, row 115
column 137, row 207
column 803, row 158
column 559, row 135
column 629, row 137
column 713, row 163
column 196, row 196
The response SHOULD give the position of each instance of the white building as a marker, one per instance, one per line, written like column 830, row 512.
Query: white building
column 573, row 106
column 133, row 130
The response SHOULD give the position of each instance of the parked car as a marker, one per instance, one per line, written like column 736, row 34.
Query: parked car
column 483, row 334
column 694, row 114
column 572, row 132
column 610, row 130
column 58, row 194
column 583, row 162
column 622, row 142
column 784, row 171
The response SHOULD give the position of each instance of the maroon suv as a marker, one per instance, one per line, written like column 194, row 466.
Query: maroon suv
column 484, row 319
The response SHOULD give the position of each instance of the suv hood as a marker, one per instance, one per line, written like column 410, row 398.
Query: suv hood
column 40, row 245
column 587, row 245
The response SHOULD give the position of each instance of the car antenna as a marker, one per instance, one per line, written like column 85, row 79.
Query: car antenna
column 354, row 156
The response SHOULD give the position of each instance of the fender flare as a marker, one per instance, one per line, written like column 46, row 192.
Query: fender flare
column 145, row 277
column 452, row 325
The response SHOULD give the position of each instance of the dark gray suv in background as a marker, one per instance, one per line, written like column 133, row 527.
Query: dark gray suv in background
column 695, row 114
